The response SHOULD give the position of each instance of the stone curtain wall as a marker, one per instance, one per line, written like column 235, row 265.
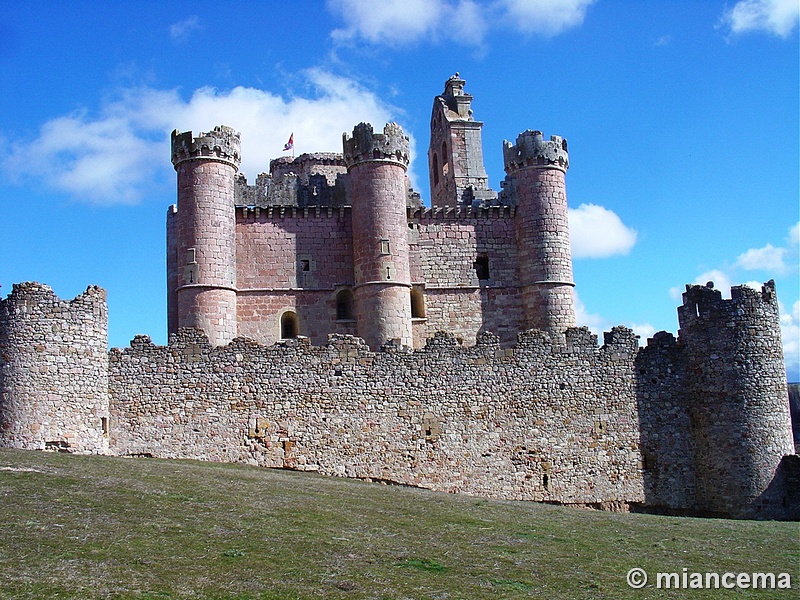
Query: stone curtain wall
column 54, row 370
column 535, row 422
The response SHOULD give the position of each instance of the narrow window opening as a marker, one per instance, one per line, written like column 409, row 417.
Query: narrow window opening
column 289, row 327
column 481, row 266
column 546, row 481
column 305, row 265
column 435, row 170
column 191, row 256
column 444, row 153
column 344, row 305
column 385, row 247
column 104, row 425
column 417, row 304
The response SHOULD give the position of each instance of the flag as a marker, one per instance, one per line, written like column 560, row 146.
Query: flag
column 290, row 144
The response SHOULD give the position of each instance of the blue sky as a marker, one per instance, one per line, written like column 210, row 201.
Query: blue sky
column 681, row 116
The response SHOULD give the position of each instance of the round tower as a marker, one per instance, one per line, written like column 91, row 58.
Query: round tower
column 538, row 168
column 205, row 228
column 737, row 398
column 376, row 171
column 54, row 370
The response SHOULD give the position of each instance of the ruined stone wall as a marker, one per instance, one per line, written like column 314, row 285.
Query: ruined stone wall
column 535, row 422
column 53, row 370
column 668, row 448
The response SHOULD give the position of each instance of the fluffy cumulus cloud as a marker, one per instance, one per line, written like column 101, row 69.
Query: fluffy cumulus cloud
column 777, row 17
column 403, row 22
column 768, row 258
column 116, row 156
column 596, row 232
column 545, row 16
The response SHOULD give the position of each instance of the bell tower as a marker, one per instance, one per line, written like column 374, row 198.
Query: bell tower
column 455, row 154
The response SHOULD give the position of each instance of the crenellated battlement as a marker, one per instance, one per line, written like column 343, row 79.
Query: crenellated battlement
column 703, row 303
column 221, row 143
column 462, row 212
column 366, row 146
column 532, row 150
column 32, row 296
column 307, row 163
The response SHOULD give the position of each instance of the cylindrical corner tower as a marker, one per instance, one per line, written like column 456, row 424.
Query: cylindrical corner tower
column 738, row 399
column 376, row 166
column 538, row 168
column 54, row 370
column 205, row 228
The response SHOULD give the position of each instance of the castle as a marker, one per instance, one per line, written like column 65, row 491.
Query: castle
column 322, row 319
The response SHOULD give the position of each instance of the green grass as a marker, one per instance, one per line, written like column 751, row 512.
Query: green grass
column 101, row 527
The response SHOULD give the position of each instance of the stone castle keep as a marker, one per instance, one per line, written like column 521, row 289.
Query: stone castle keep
column 323, row 319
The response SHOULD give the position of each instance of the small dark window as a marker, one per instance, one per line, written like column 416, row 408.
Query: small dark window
column 289, row 326
column 305, row 265
column 344, row 305
column 444, row 154
column 481, row 266
column 546, row 481
column 435, row 169
column 417, row 304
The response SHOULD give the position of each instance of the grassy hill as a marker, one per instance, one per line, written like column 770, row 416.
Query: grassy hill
column 101, row 527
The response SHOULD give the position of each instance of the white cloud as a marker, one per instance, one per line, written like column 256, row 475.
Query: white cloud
column 768, row 258
column 387, row 22
column 596, row 232
column 405, row 22
column 545, row 17
column 790, row 335
column 794, row 236
column 778, row 17
column 720, row 279
column 182, row 30
column 114, row 157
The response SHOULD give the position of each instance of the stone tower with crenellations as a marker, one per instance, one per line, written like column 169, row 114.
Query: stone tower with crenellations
column 202, row 268
column 323, row 319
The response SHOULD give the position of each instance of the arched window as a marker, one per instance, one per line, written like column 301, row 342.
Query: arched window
column 344, row 305
column 289, row 325
column 435, row 169
column 444, row 154
column 417, row 303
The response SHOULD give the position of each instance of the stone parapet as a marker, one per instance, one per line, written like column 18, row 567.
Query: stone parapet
column 367, row 146
column 532, row 150
column 220, row 144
